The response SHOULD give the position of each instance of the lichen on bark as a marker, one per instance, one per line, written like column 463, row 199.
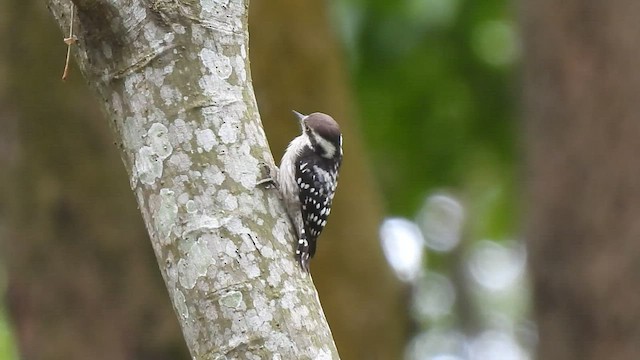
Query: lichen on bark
column 175, row 83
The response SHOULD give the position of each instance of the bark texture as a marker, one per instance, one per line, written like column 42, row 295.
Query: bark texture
column 297, row 63
column 82, row 281
column 120, row 309
column 581, row 108
column 175, row 83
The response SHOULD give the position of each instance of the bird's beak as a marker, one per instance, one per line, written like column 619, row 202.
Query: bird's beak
column 300, row 117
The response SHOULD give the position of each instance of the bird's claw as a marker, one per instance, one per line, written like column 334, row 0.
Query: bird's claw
column 269, row 176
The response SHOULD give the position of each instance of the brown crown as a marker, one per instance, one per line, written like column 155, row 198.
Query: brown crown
column 324, row 125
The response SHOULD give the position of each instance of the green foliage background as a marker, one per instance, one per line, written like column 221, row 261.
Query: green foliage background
column 433, row 80
column 7, row 347
column 436, row 90
column 434, row 85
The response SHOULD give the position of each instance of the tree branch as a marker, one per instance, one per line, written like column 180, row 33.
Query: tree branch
column 175, row 84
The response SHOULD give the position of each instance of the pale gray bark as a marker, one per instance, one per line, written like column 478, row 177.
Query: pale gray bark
column 175, row 83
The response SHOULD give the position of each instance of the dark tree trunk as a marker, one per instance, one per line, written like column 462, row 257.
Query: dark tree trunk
column 297, row 63
column 82, row 279
column 582, row 111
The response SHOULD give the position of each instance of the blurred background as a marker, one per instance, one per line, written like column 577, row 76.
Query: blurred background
column 424, row 256
column 423, row 239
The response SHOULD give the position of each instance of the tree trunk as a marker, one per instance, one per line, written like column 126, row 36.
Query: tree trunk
column 581, row 108
column 82, row 281
column 297, row 62
column 112, row 309
column 175, row 83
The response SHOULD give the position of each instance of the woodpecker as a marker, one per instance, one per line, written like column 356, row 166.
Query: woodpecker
column 308, row 178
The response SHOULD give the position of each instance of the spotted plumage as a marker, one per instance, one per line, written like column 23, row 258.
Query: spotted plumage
column 308, row 179
column 317, row 188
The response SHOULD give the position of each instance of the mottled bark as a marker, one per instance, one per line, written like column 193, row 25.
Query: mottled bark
column 175, row 84
column 82, row 281
column 581, row 85
column 298, row 64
